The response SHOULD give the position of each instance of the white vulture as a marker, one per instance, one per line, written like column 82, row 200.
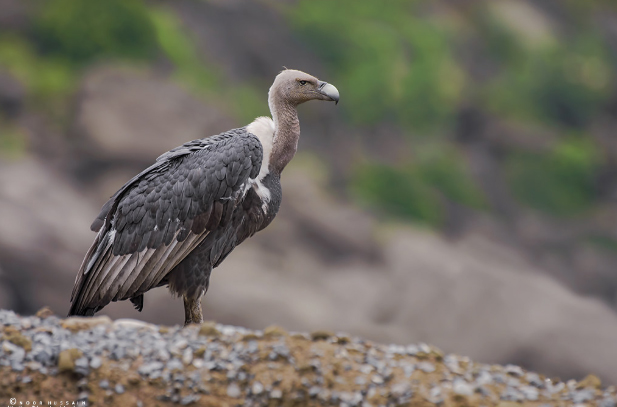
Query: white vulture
column 178, row 219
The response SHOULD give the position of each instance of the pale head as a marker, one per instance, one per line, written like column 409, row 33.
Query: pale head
column 295, row 87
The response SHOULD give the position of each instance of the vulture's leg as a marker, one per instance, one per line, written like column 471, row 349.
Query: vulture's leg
column 192, row 310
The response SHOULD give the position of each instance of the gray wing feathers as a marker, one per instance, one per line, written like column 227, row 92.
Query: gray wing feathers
column 157, row 218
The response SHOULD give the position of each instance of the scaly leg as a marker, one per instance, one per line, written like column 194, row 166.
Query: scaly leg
column 192, row 311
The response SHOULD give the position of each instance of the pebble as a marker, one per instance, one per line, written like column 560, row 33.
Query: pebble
column 191, row 398
column 366, row 369
column 397, row 349
column 554, row 388
column 400, row 389
column 81, row 366
column 187, row 356
column 378, row 380
column 512, row 394
column 531, row 393
column 426, row 367
column 483, row 378
column 582, row 396
column 424, row 348
column 514, row 370
column 43, row 356
column 118, row 353
column 257, row 388
column 96, row 362
column 412, row 350
column 452, row 364
column 175, row 364
column 233, row 391
column 408, row 370
column 460, row 386
column 534, row 380
column 435, row 395
column 119, row 388
column 252, row 347
column 499, row 378
column 82, row 384
column 148, row 368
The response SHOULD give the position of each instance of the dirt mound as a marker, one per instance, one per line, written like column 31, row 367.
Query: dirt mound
column 97, row 361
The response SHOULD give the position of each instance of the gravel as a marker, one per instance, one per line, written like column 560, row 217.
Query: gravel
column 129, row 362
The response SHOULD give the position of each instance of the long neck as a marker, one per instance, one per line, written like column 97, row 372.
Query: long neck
column 286, row 132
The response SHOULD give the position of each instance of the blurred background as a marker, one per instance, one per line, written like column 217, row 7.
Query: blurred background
column 463, row 193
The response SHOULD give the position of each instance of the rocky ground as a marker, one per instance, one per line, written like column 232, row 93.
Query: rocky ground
column 132, row 363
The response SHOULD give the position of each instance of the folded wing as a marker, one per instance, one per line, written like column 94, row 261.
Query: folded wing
column 157, row 218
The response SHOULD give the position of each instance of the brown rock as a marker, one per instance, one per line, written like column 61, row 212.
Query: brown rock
column 12, row 335
column 590, row 381
column 120, row 108
column 343, row 339
column 321, row 335
column 67, row 358
column 274, row 331
column 75, row 324
column 208, row 328
column 249, row 337
column 44, row 312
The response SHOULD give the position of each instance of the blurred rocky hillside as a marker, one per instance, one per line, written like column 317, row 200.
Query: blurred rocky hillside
column 462, row 193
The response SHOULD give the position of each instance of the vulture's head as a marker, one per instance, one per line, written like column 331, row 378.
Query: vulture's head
column 296, row 87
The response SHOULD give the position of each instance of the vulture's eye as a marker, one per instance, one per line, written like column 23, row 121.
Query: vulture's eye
column 302, row 83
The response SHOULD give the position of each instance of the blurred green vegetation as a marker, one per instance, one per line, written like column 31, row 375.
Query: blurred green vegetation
column 43, row 77
column 244, row 100
column 605, row 243
column 69, row 35
column 399, row 192
column 402, row 62
column 82, row 31
column 176, row 45
column 560, row 182
column 393, row 63
column 418, row 190
column 559, row 83
column 65, row 36
column 12, row 141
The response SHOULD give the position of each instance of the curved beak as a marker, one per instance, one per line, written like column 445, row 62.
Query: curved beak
column 329, row 91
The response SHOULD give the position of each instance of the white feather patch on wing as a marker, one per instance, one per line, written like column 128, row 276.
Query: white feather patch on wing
column 263, row 193
column 264, row 128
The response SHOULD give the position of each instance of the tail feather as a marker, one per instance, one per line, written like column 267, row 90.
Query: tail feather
column 138, row 302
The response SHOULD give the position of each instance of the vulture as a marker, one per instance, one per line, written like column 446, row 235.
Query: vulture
column 174, row 222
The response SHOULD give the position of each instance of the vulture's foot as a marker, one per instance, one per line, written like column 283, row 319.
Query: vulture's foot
column 192, row 311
